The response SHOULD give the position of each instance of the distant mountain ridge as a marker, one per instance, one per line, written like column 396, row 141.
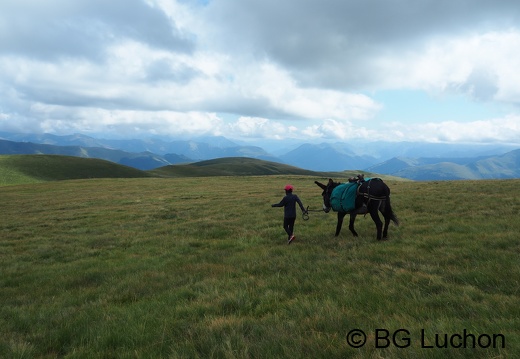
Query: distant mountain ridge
column 194, row 150
column 423, row 169
column 142, row 161
column 418, row 161
column 317, row 157
column 141, row 154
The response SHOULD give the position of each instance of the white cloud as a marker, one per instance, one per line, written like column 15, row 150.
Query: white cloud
column 57, row 29
column 273, row 69
column 116, row 123
column 284, row 96
column 341, row 44
column 481, row 65
column 258, row 128
column 505, row 130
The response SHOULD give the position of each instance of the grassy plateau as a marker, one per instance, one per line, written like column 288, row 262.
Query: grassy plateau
column 200, row 268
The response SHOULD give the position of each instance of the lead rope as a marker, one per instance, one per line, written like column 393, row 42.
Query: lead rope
column 305, row 215
column 368, row 195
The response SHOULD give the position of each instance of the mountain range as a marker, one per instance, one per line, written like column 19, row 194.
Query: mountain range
column 412, row 160
column 424, row 169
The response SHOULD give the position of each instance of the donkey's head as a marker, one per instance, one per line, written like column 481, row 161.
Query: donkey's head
column 327, row 192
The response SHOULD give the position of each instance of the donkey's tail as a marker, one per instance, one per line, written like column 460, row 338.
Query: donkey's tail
column 388, row 209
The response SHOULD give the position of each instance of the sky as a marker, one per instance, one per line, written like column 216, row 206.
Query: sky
column 263, row 70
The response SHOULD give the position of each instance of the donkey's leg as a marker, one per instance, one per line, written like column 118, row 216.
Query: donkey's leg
column 341, row 215
column 375, row 217
column 387, row 218
column 351, row 224
column 385, row 229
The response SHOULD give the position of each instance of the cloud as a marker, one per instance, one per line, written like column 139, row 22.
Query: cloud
column 116, row 123
column 257, row 68
column 338, row 130
column 165, row 70
column 341, row 44
column 84, row 29
column 272, row 86
column 246, row 127
column 479, row 65
column 481, row 85
column 505, row 130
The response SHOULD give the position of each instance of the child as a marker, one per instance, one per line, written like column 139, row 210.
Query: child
column 289, row 204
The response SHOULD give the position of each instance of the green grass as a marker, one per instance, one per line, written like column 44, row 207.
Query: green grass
column 199, row 268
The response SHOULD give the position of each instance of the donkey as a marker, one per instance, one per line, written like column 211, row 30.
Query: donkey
column 372, row 195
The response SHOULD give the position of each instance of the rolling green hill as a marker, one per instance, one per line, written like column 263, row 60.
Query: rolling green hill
column 244, row 166
column 231, row 166
column 22, row 169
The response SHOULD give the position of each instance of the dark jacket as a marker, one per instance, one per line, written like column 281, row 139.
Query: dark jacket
column 289, row 204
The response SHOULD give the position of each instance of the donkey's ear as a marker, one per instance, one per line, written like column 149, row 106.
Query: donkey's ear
column 321, row 185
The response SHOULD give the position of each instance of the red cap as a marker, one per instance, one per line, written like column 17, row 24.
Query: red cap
column 288, row 187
